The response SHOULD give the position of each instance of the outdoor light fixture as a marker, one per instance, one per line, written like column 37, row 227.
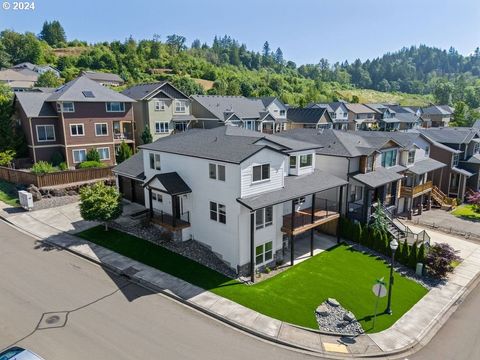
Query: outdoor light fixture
column 393, row 247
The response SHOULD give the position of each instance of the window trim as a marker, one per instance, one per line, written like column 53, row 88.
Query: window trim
column 177, row 102
column 395, row 151
column 265, row 223
column 306, row 166
column 102, row 148
column 96, row 133
column 263, row 252
column 156, row 195
column 166, row 127
column 46, row 140
column 115, row 102
column 216, row 172
column 455, row 159
column 61, row 107
column 73, row 155
column 163, row 106
column 215, row 210
column 294, row 165
column 408, row 157
column 77, row 125
column 261, row 173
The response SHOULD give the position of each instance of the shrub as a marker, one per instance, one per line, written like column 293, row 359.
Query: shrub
column 90, row 164
column 6, row 157
column 386, row 244
column 63, row 166
column 399, row 252
column 146, row 136
column 57, row 158
column 93, row 156
column 439, row 259
column 474, row 199
column 366, row 233
column 421, row 254
column 42, row 167
column 405, row 253
column 412, row 260
column 124, row 152
column 357, row 232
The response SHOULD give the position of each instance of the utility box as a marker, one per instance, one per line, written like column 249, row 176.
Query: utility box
column 419, row 269
column 26, row 199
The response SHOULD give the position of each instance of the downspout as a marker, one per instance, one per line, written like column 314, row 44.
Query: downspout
column 32, row 140
column 347, row 187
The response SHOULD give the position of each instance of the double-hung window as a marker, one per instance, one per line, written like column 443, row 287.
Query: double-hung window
column 104, row 153
column 216, row 172
column 411, row 157
column 456, row 159
column 476, row 148
column 159, row 105
column 101, row 129
column 264, row 217
column 115, row 106
column 283, row 112
column 261, row 172
column 389, row 158
column 76, row 130
column 65, row 107
column 157, row 196
column 79, row 155
column 305, row 160
column 154, row 161
column 45, row 133
column 263, row 253
column 218, row 212
column 161, row 127
column 180, row 106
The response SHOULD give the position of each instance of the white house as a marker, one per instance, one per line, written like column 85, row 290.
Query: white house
column 234, row 190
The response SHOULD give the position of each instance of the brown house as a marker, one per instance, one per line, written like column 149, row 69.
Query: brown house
column 75, row 118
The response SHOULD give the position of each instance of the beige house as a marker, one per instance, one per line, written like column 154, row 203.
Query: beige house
column 161, row 107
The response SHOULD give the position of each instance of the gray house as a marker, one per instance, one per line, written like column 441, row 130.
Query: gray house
column 338, row 113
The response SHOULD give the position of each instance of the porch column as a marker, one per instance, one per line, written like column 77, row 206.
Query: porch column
column 252, row 247
column 440, row 184
column 340, row 209
column 312, row 220
column 292, row 226
column 150, row 201
column 410, row 209
column 174, row 220
column 420, row 206
column 429, row 200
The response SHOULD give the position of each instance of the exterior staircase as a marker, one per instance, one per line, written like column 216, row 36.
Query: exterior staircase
column 398, row 230
column 442, row 200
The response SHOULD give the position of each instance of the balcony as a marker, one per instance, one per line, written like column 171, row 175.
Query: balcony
column 122, row 131
column 414, row 191
column 323, row 212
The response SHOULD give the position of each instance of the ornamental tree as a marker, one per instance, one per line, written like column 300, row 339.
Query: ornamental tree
column 440, row 260
column 100, row 203
column 474, row 199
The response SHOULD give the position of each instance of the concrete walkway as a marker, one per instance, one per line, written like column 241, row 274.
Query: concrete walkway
column 55, row 226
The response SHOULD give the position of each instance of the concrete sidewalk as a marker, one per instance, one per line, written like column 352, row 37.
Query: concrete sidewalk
column 55, row 225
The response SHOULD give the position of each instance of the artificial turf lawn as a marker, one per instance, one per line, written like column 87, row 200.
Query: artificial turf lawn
column 466, row 212
column 291, row 296
column 8, row 193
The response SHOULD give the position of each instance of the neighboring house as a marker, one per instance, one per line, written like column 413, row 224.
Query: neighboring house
column 385, row 116
column 215, row 110
column 437, row 115
column 278, row 110
column 18, row 80
column 458, row 148
column 476, row 124
column 103, row 78
column 39, row 69
column 75, row 118
column 361, row 117
column 309, row 118
column 161, row 107
column 243, row 194
column 408, row 120
column 338, row 112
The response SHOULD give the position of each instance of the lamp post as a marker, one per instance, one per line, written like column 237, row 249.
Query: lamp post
column 393, row 247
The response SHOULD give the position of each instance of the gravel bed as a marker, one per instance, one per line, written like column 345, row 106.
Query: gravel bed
column 54, row 201
column 331, row 320
column 191, row 249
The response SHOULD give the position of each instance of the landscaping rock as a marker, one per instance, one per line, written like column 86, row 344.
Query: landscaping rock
column 71, row 193
column 348, row 316
column 36, row 194
column 58, row 192
column 333, row 302
column 337, row 320
column 322, row 310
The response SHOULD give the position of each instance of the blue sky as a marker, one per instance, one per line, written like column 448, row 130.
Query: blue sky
column 306, row 30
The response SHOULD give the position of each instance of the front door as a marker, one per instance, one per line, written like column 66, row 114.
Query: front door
column 177, row 208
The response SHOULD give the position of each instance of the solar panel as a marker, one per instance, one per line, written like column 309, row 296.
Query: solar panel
column 88, row 94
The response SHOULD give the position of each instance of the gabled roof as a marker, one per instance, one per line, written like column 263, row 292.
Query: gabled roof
column 424, row 166
column 407, row 117
column 380, row 176
column 437, row 110
column 267, row 100
column 150, row 90
column 133, row 168
column 18, row 75
column 359, row 109
column 171, row 182
column 245, row 108
column 474, row 159
column 102, row 76
column 74, row 91
column 34, row 104
column 307, row 115
column 225, row 143
column 476, row 124
column 401, row 109
column 451, row 135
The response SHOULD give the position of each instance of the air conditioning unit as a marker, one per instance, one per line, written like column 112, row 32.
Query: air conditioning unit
column 26, row 199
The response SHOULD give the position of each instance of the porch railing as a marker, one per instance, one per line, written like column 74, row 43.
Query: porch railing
column 322, row 209
column 408, row 191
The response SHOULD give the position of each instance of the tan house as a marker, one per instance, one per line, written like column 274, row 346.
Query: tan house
column 18, row 79
column 161, row 107
column 75, row 118
column 361, row 117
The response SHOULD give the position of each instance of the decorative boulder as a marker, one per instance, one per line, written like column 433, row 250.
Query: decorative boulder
column 36, row 194
column 348, row 316
column 333, row 302
column 59, row 192
column 322, row 310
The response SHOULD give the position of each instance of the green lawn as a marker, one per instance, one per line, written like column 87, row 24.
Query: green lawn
column 292, row 295
column 8, row 193
column 466, row 212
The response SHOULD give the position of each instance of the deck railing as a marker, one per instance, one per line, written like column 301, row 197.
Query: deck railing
column 412, row 191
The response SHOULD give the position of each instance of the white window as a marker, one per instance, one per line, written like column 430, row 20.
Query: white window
column 293, row 162
column 305, row 160
column 65, row 107
column 76, row 130
column 157, row 196
column 161, row 127
column 159, row 105
column 250, row 125
column 261, row 172
column 282, row 112
column 154, row 161
column 79, row 155
column 456, row 159
column 216, row 172
column 411, row 157
column 218, row 212
column 101, row 129
column 115, row 106
column 45, row 133
column 264, row 217
column 104, row 153
column 180, row 106
column 427, row 151
column 476, row 148
column 263, row 253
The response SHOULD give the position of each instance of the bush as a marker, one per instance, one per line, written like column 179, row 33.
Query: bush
column 366, row 233
column 357, row 232
column 405, row 253
column 57, row 158
column 100, row 203
column 42, row 167
column 63, row 166
column 90, row 164
column 124, row 152
column 421, row 254
column 93, row 156
column 6, row 157
column 412, row 260
column 439, row 260
column 474, row 199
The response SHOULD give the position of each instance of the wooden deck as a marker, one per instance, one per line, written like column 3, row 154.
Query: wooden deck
column 303, row 220
column 166, row 221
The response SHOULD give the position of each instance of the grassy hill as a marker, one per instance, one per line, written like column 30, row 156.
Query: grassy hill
column 373, row 96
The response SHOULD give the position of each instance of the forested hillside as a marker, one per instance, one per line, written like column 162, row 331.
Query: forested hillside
column 229, row 68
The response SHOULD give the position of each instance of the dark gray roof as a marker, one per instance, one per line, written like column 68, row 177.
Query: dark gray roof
column 34, row 104
column 149, row 90
column 294, row 187
column 74, row 91
column 132, row 167
column 407, row 117
column 380, row 176
column 400, row 109
column 172, row 182
column 474, row 159
column 225, row 143
column 424, row 166
column 451, row 135
column 102, row 76
column 307, row 115
column 437, row 110
column 267, row 100
column 223, row 106
column 462, row 171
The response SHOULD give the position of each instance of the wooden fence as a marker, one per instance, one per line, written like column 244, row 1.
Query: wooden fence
column 56, row 179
